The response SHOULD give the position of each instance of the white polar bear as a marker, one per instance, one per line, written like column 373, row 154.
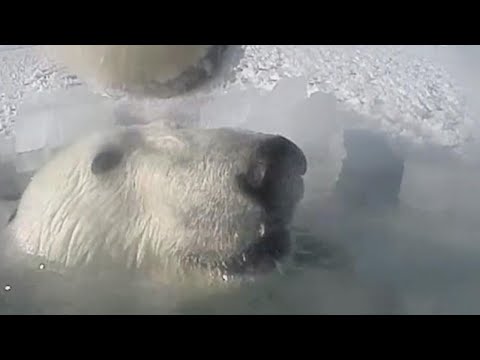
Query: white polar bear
column 145, row 70
column 215, row 202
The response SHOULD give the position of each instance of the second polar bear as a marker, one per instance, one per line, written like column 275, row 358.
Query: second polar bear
column 161, row 71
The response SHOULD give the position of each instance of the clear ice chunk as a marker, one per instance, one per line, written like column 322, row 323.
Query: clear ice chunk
column 51, row 120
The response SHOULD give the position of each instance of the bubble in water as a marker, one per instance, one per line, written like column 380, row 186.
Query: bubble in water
column 42, row 266
column 8, row 288
column 261, row 230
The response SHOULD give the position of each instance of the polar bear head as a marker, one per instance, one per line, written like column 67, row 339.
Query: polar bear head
column 165, row 201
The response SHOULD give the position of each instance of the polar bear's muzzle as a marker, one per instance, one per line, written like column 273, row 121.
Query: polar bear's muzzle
column 273, row 180
column 274, row 177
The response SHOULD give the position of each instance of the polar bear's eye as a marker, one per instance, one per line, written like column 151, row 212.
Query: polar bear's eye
column 106, row 160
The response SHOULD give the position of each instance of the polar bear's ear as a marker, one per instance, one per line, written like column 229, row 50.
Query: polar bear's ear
column 106, row 160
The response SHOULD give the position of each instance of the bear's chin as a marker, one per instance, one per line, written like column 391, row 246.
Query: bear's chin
column 265, row 255
column 261, row 257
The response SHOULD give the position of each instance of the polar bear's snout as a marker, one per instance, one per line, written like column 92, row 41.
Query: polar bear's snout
column 273, row 180
column 274, row 176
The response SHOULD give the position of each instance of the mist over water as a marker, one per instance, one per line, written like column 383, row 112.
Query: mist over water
column 371, row 254
column 420, row 256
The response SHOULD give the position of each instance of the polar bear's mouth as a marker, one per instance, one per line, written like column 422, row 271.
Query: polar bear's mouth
column 262, row 256
column 274, row 181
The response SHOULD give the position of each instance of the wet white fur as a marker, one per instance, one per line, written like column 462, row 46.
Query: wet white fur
column 173, row 195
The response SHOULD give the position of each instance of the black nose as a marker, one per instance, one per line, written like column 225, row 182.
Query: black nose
column 274, row 173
